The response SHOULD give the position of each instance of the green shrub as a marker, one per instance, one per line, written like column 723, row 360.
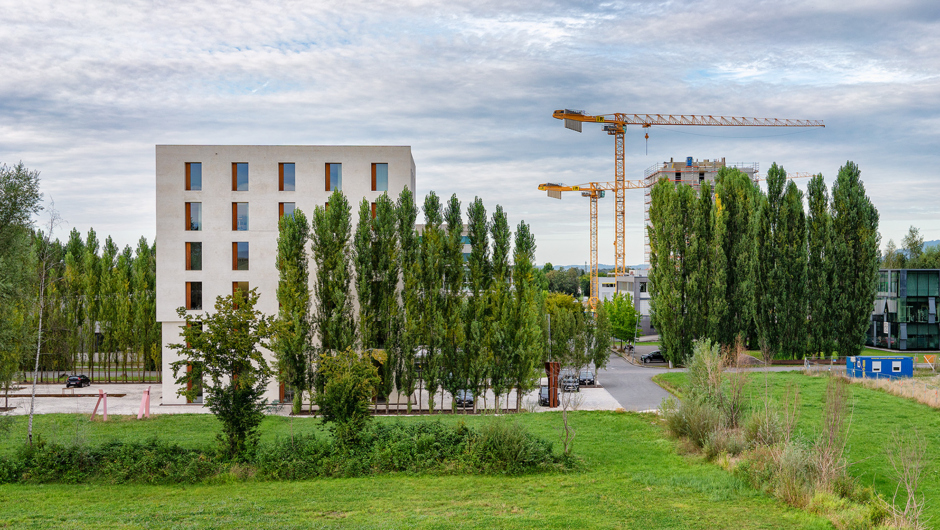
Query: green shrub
column 724, row 441
column 794, row 478
column 498, row 447
column 763, row 427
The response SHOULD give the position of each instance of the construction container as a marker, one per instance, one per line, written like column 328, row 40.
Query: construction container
column 879, row 366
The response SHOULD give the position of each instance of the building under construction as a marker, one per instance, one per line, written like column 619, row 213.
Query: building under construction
column 690, row 172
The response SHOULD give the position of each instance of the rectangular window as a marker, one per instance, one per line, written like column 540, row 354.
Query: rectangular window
column 193, row 216
column 239, row 176
column 193, row 176
column 240, row 256
column 334, row 177
column 240, row 286
column 194, row 256
column 896, row 366
column 379, row 177
column 194, row 295
column 240, row 216
column 876, row 367
column 285, row 208
column 285, row 177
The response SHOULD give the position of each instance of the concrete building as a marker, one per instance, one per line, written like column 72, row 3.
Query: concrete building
column 689, row 172
column 217, row 216
column 904, row 316
column 636, row 284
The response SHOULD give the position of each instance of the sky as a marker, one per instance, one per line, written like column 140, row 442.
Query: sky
column 89, row 88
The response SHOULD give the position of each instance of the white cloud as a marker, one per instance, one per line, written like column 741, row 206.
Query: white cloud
column 88, row 89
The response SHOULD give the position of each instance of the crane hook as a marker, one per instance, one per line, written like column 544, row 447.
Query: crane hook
column 647, row 143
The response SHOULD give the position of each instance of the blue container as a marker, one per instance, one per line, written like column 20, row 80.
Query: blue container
column 688, row 161
column 879, row 366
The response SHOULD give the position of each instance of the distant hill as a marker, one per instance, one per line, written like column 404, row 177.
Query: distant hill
column 932, row 243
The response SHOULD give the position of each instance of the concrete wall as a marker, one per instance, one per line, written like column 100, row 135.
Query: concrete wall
column 263, row 199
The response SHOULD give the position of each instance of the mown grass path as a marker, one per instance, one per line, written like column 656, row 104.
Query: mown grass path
column 633, row 478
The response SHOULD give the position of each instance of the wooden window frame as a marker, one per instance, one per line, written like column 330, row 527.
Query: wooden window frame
column 189, row 182
column 373, row 186
column 235, row 217
column 189, row 296
column 189, row 216
column 328, row 164
column 280, row 210
column 280, row 176
column 234, row 255
column 373, row 210
column 189, row 256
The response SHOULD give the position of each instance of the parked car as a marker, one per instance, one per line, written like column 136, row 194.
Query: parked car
column 78, row 381
column 464, row 398
column 568, row 380
column 654, row 355
column 586, row 377
column 543, row 396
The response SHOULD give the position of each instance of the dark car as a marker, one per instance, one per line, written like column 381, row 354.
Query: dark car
column 543, row 396
column 464, row 398
column 655, row 355
column 78, row 381
column 586, row 377
column 568, row 380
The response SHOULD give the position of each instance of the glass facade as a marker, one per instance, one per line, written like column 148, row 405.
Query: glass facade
column 904, row 316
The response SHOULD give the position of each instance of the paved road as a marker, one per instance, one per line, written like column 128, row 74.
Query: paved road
column 632, row 385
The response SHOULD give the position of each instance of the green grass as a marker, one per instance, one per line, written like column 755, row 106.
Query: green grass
column 633, row 478
column 875, row 417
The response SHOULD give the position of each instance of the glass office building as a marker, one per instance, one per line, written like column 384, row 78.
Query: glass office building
column 904, row 316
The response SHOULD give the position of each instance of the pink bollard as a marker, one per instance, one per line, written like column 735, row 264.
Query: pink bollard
column 104, row 415
column 144, row 405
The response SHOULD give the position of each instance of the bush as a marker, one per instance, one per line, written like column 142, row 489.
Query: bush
column 795, row 474
column 763, row 427
column 499, row 447
column 724, row 441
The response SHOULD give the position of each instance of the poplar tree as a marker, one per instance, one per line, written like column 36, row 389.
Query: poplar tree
column 672, row 262
column 781, row 268
column 108, row 315
column 385, row 250
column 819, row 268
column 736, row 200
column 122, row 328
column 430, row 295
column 500, row 368
column 292, row 342
column 855, row 241
column 90, row 288
column 330, row 234
column 73, row 304
column 456, row 375
column 478, row 320
column 527, row 344
column 702, row 250
column 146, row 329
column 408, row 324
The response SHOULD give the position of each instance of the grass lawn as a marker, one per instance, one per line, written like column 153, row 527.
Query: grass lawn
column 633, row 478
column 875, row 418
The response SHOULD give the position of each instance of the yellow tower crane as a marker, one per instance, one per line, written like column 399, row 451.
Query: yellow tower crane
column 616, row 125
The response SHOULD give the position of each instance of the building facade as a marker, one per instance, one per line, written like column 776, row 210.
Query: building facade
column 218, row 209
column 904, row 316
column 636, row 284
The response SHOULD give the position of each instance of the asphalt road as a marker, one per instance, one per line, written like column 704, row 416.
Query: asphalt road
column 632, row 385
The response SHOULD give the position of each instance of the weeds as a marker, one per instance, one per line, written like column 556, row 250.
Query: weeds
column 907, row 452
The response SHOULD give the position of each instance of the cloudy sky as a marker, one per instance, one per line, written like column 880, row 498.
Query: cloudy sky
column 88, row 88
